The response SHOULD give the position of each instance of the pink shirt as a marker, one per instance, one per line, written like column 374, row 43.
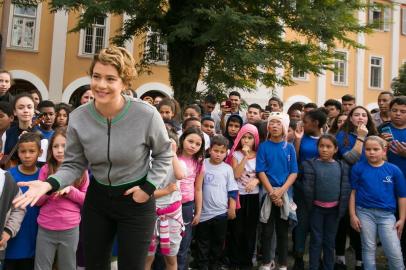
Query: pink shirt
column 187, row 184
column 62, row 212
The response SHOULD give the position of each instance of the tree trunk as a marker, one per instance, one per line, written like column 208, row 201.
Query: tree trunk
column 185, row 65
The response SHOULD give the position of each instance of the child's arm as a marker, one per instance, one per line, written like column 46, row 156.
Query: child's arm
column 13, row 223
column 265, row 182
column 231, row 208
column 178, row 169
column 198, row 198
column 355, row 222
column 277, row 194
column 238, row 168
column 402, row 216
column 165, row 191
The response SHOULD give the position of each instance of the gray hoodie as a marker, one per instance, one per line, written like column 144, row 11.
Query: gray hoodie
column 118, row 151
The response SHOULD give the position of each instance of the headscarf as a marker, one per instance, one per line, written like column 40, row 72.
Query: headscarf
column 247, row 128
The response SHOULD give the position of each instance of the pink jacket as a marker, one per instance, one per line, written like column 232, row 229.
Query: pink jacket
column 61, row 213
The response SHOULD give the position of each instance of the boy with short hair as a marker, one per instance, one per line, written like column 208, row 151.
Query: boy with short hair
column 208, row 126
column 10, row 217
column 254, row 113
column 47, row 109
column 348, row 103
column 220, row 191
column 20, row 251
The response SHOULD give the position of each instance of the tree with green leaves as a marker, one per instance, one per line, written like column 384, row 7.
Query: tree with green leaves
column 233, row 44
column 399, row 83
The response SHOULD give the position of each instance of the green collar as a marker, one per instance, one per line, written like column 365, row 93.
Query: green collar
column 100, row 118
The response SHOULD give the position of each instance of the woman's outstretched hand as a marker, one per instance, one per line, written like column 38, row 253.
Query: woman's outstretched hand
column 36, row 189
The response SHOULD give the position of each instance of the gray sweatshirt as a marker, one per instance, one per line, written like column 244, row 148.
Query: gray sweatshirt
column 118, row 151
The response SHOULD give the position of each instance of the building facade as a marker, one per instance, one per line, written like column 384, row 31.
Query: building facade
column 41, row 53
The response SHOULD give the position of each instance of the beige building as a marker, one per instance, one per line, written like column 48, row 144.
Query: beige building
column 41, row 54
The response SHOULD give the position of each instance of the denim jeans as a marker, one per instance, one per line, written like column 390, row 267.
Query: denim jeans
column 1, row 265
column 379, row 221
column 187, row 215
column 323, row 229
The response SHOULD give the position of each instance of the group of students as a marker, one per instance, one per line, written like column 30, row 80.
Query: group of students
column 238, row 181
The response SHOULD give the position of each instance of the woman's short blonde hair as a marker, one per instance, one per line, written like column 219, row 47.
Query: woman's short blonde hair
column 121, row 59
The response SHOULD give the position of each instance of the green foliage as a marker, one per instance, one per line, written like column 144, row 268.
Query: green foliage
column 399, row 83
column 233, row 43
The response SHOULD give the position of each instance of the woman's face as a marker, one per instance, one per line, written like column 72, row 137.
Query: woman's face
column 106, row 84
column 86, row 97
column 5, row 83
column 359, row 116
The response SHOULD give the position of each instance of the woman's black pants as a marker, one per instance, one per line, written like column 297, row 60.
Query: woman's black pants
column 107, row 213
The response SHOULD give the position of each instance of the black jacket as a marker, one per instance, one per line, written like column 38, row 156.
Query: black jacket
column 309, row 180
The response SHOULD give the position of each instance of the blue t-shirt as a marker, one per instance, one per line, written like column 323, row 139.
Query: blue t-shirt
column 22, row 246
column 377, row 187
column 344, row 148
column 398, row 135
column 46, row 133
column 308, row 148
column 277, row 161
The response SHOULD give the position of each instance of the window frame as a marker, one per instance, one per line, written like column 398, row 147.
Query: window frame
column 380, row 87
column 36, row 34
column 385, row 17
column 345, row 83
column 159, row 43
column 299, row 78
column 82, row 38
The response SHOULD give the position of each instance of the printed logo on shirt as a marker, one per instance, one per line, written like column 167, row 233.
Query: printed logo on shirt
column 288, row 158
column 388, row 179
column 209, row 180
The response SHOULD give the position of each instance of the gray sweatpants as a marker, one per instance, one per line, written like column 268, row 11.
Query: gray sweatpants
column 49, row 242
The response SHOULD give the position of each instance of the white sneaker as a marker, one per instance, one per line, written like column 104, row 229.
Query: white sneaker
column 272, row 265
column 265, row 267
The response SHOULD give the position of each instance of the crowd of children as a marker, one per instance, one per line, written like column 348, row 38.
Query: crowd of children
column 238, row 183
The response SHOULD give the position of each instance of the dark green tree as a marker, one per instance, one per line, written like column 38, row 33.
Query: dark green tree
column 399, row 83
column 233, row 44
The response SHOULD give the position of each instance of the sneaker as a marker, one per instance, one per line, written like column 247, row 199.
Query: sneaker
column 299, row 264
column 340, row 266
column 272, row 265
column 265, row 267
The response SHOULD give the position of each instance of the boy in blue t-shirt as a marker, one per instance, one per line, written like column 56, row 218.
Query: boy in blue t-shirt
column 20, row 250
column 395, row 133
column 277, row 170
column 220, row 191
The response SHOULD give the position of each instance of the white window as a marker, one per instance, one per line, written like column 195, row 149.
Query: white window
column 381, row 17
column 298, row 74
column 376, row 72
column 24, row 27
column 403, row 21
column 94, row 38
column 340, row 66
column 156, row 49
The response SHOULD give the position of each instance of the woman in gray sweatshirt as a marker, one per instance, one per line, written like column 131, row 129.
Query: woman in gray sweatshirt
column 126, row 146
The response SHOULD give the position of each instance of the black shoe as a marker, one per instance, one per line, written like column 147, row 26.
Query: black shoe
column 340, row 266
column 359, row 268
column 299, row 264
